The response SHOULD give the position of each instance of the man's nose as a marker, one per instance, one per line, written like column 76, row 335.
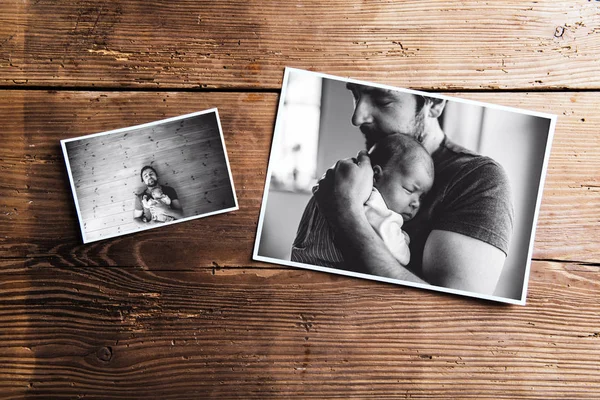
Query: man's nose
column 362, row 112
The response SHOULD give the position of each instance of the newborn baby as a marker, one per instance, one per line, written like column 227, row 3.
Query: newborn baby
column 402, row 175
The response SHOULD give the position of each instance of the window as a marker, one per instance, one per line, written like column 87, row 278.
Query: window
column 294, row 168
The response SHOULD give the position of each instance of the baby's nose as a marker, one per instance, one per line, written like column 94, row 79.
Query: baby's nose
column 415, row 203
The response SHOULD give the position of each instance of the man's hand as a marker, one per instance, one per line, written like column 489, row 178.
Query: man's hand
column 341, row 196
column 345, row 187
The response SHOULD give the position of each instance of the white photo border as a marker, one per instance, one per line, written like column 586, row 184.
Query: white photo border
column 277, row 134
column 63, row 143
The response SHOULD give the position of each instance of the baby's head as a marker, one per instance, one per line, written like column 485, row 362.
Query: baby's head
column 402, row 173
column 156, row 192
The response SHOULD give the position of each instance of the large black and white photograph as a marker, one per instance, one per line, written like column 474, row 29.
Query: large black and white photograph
column 151, row 175
column 402, row 186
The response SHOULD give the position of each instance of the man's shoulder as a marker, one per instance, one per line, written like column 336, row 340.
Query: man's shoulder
column 140, row 191
column 472, row 197
column 460, row 163
column 169, row 191
column 450, row 153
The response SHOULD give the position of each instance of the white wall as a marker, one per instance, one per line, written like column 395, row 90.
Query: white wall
column 518, row 142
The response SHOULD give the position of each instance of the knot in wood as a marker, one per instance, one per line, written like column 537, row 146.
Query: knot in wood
column 559, row 31
column 104, row 353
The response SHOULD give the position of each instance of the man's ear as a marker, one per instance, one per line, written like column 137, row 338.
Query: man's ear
column 377, row 173
column 436, row 107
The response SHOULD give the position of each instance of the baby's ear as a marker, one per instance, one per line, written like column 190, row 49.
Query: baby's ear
column 377, row 173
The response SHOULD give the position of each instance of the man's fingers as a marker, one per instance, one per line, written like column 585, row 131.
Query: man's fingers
column 328, row 176
column 325, row 182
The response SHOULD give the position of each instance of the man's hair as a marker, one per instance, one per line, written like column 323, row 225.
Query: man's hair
column 145, row 168
column 400, row 151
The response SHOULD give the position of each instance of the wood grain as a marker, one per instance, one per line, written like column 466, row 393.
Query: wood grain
column 183, row 312
column 245, row 44
column 40, row 200
column 252, row 333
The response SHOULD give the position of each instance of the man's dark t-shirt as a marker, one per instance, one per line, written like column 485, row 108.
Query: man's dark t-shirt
column 470, row 195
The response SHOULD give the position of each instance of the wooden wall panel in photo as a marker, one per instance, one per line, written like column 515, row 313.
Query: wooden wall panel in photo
column 182, row 311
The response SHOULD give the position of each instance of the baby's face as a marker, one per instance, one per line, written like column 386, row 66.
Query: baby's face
column 157, row 193
column 403, row 192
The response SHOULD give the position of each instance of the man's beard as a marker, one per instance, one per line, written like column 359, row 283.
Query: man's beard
column 373, row 135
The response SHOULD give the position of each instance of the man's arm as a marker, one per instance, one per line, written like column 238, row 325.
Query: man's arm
column 457, row 261
column 176, row 209
column 137, row 218
column 176, row 205
column 468, row 244
column 138, row 213
column 341, row 196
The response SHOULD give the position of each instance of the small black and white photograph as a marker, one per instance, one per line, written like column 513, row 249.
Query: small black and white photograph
column 150, row 175
column 405, row 187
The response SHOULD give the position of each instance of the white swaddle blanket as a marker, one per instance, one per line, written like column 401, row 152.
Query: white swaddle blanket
column 388, row 225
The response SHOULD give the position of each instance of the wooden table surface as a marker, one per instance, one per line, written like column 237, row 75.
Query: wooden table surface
column 183, row 312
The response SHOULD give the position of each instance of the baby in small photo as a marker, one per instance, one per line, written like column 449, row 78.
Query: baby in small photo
column 157, row 197
column 402, row 174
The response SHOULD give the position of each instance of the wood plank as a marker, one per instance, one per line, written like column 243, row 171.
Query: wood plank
column 252, row 333
column 471, row 44
column 38, row 202
column 182, row 312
